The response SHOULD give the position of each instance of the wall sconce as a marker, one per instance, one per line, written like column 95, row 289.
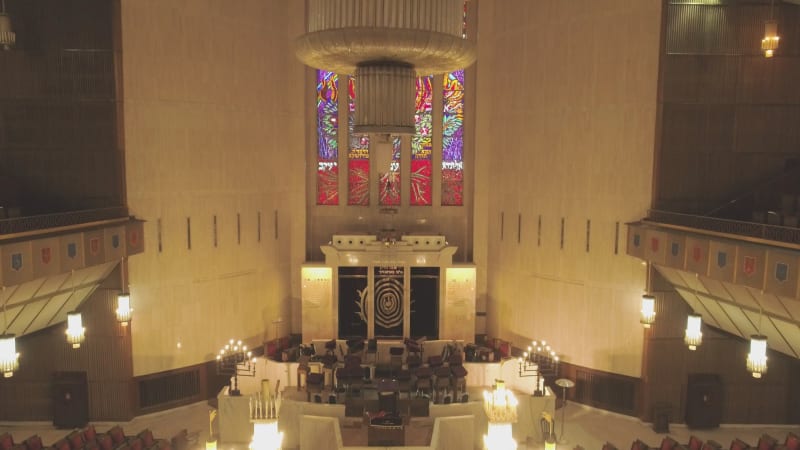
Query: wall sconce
column 124, row 308
column 648, row 310
column 75, row 329
column 694, row 335
column 771, row 39
column 7, row 36
column 757, row 358
column 9, row 358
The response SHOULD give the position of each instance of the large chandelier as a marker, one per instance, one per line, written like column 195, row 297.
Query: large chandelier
column 386, row 44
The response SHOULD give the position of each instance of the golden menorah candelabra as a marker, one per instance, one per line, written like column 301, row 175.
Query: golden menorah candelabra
column 235, row 360
column 540, row 361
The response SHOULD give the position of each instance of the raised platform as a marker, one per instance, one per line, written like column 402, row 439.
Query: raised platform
column 236, row 429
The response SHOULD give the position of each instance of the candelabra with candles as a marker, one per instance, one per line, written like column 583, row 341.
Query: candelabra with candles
column 235, row 360
column 539, row 361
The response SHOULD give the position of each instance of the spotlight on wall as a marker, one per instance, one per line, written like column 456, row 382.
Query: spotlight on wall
column 648, row 310
column 75, row 329
column 757, row 358
column 694, row 335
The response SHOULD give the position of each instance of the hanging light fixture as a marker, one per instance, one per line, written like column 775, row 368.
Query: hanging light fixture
column 75, row 329
column 9, row 358
column 757, row 358
column 694, row 335
column 124, row 309
column 648, row 310
column 771, row 39
column 7, row 36
column 386, row 44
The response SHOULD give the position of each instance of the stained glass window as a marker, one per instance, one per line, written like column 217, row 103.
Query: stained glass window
column 390, row 181
column 421, row 144
column 453, row 140
column 357, row 155
column 328, row 143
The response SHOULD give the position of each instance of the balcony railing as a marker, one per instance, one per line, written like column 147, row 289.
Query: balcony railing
column 777, row 233
column 58, row 220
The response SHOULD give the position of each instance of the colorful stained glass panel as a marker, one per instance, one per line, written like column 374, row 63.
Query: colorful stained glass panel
column 421, row 144
column 357, row 155
column 453, row 140
column 390, row 181
column 327, row 134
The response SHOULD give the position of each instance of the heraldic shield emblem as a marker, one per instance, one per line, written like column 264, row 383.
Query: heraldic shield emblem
column 16, row 261
column 72, row 250
column 115, row 241
column 637, row 240
column 781, row 271
column 94, row 245
column 675, row 248
column 722, row 259
column 654, row 245
column 46, row 255
column 697, row 253
column 749, row 265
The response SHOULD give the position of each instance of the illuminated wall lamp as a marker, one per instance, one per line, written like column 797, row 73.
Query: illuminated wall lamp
column 7, row 36
column 648, row 310
column 9, row 358
column 757, row 358
column 771, row 39
column 124, row 308
column 694, row 335
column 75, row 329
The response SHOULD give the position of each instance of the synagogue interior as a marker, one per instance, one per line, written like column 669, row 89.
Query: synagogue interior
column 427, row 224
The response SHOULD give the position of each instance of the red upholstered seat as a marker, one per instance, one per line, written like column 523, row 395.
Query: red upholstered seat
column 61, row 444
column 147, row 438
column 766, row 442
column 738, row 444
column 33, row 443
column 75, row 440
column 6, row 441
column 668, row 443
column 695, row 443
column 89, row 433
column 104, row 442
column 639, row 445
column 792, row 442
column 117, row 435
column 609, row 446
